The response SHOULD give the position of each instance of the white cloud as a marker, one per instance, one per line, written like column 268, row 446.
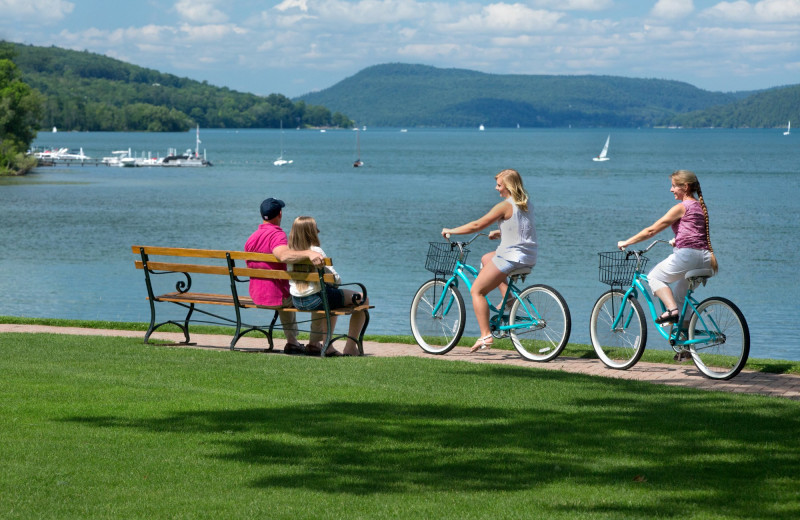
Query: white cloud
column 292, row 4
column 209, row 33
column 672, row 9
column 778, row 10
column 371, row 11
column 765, row 11
column 200, row 11
column 428, row 51
column 506, row 17
column 41, row 11
column 575, row 5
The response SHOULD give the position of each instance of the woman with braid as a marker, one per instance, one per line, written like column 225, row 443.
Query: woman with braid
column 692, row 244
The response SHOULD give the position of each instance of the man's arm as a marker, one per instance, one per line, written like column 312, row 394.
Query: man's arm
column 286, row 255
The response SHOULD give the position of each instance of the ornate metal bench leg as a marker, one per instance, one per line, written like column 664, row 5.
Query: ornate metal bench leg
column 186, row 322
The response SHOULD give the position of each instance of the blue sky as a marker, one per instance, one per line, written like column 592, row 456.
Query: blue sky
column 297, row 46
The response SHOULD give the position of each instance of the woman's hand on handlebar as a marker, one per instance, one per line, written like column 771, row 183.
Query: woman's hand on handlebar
column 494, row 235
column 446, row 232
column 622, row 245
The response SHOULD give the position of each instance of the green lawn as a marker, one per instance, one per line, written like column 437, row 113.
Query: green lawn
column 97, row 427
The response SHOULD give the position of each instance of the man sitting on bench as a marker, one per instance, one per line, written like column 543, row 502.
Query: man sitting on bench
column 269, row 238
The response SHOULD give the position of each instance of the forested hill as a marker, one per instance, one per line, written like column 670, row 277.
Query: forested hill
column 87, row 91
column 769, row 109
column 418, row 95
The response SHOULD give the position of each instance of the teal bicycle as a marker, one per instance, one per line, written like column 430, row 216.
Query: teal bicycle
column 536, row 318
column 717, row 338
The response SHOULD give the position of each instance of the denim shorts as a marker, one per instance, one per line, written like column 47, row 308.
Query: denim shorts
column 505, row 266
column 313, row 302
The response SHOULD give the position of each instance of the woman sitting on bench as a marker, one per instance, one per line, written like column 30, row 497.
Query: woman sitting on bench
column 307, row 296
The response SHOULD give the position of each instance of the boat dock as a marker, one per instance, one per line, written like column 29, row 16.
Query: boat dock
column 70, row 162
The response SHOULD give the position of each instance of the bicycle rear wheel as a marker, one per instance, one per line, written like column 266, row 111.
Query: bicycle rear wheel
column 540, row 323
column 619, row 346
column 437, row 332
column 726, row 352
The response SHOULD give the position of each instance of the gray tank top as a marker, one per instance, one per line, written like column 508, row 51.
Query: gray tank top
column 518, row 236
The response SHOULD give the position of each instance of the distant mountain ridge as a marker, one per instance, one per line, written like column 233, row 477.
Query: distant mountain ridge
column 398, row 95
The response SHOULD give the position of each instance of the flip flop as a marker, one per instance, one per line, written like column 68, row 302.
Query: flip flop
column 671, row 316
column 482, row 344
column 294, row 348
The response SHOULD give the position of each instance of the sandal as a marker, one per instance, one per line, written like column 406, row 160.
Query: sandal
column 294, row 348
column 482, row 344
column 670, row 316
column 313, row 350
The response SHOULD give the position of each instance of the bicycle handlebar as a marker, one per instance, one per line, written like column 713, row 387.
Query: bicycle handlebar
column 462, row 245
column 648, row 248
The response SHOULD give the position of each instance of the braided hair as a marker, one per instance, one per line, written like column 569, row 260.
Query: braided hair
column 690, row 179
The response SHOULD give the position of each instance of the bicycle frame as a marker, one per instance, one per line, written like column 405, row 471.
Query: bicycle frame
column 496, row 320
column 703, row 333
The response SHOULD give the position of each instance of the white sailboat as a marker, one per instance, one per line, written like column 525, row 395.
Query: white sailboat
column 788, row 129
column 604, row 154
column 280, row 161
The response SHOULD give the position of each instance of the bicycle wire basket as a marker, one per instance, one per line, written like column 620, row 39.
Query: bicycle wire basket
column 442, row 257
column 618, row 267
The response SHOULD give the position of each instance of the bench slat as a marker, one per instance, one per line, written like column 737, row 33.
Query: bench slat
column 246, row 302
column 213, row 253
column 267, row 274
column 183, row 268
column 281, row 275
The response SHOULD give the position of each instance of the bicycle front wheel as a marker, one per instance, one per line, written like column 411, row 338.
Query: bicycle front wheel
column 540, row 323
column 618, row 330
column 438, row 316
column 725, row 352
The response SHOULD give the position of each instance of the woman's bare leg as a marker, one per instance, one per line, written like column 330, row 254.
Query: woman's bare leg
column 357, row 320
column 488, row 279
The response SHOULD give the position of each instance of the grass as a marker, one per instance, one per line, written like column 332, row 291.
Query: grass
column 576, row 350
column 99, row 427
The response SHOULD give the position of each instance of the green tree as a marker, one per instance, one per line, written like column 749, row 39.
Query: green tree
column 20, row 109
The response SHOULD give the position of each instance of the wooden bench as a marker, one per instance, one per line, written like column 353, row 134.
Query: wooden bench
column 184, row 263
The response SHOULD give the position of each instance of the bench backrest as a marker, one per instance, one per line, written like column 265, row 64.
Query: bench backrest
column 227, row 265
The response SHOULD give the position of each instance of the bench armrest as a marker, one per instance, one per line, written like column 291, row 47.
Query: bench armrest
column 357, row 299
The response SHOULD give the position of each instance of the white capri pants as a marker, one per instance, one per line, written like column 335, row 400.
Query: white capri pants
column 673, row 269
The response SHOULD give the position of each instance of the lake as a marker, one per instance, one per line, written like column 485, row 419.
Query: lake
column 66, row 232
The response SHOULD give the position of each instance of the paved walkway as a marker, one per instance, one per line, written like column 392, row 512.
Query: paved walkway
column 777, row 385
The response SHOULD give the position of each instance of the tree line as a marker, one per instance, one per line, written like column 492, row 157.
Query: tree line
column 20, row 109
column 83, row 91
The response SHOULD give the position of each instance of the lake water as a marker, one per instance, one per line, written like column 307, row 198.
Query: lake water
column 65, row 233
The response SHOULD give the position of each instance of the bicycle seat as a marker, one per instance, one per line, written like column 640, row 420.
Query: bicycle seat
column 699, row 273
column 520, row 271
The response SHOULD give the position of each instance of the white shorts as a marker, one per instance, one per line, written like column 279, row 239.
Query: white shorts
column 673, row 269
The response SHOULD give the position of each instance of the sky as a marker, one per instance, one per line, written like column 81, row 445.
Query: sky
column 293, row 47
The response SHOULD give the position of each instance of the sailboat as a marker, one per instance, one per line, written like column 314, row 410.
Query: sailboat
column 604, row 154
column 358, row 162
column 788, row 129
column 280, row 161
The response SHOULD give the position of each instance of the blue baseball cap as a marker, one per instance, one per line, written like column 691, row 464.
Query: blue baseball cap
column 270, row 208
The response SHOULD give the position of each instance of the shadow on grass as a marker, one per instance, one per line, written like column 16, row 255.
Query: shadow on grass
column 700, row 454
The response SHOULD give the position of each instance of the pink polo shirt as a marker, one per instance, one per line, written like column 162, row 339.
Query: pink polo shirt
column 264, row 240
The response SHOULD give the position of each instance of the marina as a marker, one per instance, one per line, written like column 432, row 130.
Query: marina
column 125, row 158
